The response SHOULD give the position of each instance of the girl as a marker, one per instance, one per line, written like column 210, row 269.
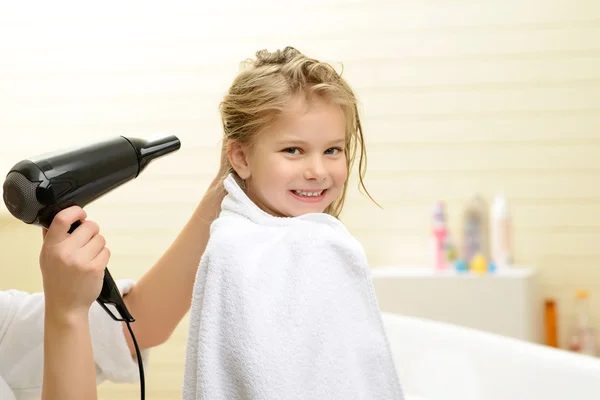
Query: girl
column 283, row 305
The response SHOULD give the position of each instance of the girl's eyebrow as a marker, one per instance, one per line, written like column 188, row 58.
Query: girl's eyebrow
column 291, row 141
column 303, row 142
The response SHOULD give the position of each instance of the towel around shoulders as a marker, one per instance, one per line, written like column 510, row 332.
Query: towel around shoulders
column 284, row 308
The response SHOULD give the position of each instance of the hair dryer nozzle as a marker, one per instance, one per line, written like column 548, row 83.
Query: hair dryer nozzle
column 153, row 147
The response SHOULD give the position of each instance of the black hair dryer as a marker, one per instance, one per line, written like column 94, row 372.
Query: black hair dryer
column 36, row 189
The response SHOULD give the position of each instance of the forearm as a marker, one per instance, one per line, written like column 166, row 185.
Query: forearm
column 69, row 370
column 162, row 297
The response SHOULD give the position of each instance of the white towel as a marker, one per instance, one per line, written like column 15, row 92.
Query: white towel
column 283, row 309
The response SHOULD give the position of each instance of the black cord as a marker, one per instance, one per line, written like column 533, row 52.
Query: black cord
column 140, row 363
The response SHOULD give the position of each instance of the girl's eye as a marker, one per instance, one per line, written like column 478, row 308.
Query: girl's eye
column 292, row 150
column 333, row 151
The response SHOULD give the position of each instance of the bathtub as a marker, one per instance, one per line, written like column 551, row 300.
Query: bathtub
column 440, row 361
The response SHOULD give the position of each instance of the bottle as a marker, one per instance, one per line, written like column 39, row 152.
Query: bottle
column 440, row 236
column 475, row 230
column 500, row 233
column 550, row 323
column 583, row 336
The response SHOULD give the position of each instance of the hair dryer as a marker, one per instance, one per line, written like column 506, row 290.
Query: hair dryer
column 36, row 189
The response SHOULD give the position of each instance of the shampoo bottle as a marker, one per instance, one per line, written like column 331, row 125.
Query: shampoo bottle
column 475, row 230
column 440, row 236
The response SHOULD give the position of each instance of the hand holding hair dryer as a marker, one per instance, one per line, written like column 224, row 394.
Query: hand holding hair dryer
column 36, row 189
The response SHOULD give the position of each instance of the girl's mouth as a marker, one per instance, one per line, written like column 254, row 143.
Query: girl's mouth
column 309, row 196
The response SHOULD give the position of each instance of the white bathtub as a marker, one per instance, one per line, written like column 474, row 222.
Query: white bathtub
column 440, row 361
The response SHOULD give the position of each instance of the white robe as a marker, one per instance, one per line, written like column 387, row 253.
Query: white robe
column 22, row 345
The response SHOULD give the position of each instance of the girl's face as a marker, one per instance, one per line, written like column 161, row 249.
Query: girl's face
column 298, row 166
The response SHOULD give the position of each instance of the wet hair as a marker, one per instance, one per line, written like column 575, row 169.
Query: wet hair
column 265, row 88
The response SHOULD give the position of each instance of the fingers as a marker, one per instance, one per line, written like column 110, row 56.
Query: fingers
column 59, row 229
column 84, row 248
column 91, row 250
column 83, row 234
column 101, row 260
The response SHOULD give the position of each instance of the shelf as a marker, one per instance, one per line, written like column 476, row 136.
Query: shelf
column 514, row 272
column 504, row 302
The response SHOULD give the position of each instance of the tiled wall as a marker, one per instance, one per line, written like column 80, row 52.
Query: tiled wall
column 458, row 97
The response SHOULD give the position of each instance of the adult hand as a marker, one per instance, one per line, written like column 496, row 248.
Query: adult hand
column 72, row 264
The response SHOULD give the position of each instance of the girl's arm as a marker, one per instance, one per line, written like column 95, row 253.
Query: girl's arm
column 162, row 297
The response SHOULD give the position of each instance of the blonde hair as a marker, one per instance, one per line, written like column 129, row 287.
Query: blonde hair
column 260, row 94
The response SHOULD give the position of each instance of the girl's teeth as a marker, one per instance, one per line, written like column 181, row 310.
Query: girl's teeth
column 308, row 194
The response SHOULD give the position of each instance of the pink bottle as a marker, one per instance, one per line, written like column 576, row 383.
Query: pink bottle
column 440, row 236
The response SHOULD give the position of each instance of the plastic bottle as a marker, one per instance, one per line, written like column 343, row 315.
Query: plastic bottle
column 583, row 336
column 440, row 236
column 500, row 233
column 475, row 230
column 550, row 323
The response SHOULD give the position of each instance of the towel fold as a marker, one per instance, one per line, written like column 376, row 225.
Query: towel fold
column 284, row 308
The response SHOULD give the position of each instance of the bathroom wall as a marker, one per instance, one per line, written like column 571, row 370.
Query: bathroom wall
column 457, row 97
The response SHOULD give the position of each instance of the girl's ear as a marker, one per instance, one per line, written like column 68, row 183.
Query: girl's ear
column 238, row 158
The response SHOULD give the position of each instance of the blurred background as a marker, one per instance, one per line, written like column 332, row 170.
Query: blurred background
column 458, row 98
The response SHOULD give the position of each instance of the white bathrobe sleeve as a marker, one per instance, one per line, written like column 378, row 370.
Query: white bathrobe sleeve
column 22, row 339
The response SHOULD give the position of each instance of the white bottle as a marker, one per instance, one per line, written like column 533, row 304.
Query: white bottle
column 500, row 234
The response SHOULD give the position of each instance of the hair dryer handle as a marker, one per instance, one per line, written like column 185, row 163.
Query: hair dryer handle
column 110, row 293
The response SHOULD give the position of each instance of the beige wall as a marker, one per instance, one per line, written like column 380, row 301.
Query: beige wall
column 457, row 97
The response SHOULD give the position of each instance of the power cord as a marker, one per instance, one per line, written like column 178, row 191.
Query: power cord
column 140, row 362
